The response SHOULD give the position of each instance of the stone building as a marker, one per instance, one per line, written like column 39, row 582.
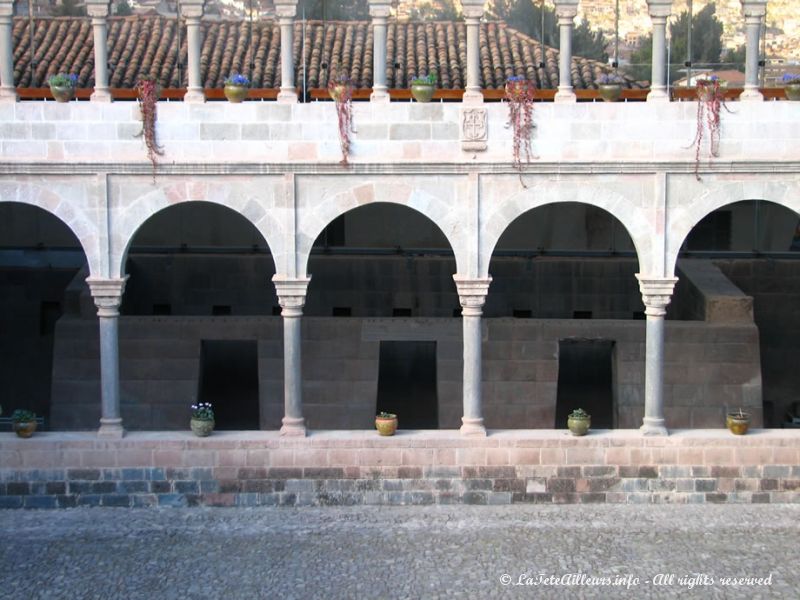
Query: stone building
column 428, row 277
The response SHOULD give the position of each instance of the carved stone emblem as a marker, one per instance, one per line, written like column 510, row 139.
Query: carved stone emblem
column 474, row 129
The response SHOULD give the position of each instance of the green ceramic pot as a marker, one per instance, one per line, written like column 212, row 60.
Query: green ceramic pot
column 236, row 93
column 422, row 92
column 202, row 427
column 793, row 91
column 24, row 429
column 62, row 93
column 738, row 423
column 610, row 92
column 579, row 425
column 386, row 425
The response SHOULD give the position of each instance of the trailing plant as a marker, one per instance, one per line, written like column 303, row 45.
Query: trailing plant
column 519, row 95
column 203, row 411
column 341, row 90
column 710, row 100
column 63, row 80
column 23, row 416
column 237, row 79
column 148, row 92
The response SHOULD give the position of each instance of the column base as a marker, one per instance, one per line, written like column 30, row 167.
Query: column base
column 658, row 95
column 293, row 427
column 111, row 428
column 195, row 96
column 473, row 427
column 8, row 94
column 653, row 427
column 287, row 97
column 472, row 97
column 101, row 96
column 565, row 97
column 380, row 97
column 751, row 95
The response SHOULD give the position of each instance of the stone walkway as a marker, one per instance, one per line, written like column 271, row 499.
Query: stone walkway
column 574, row 551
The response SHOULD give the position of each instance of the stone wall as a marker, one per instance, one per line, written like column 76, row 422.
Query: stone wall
column 261, row 468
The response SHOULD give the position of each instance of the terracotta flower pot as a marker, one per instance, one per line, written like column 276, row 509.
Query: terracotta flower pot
column 202, row 427
column 422, row 92
column 62, row 93
column 236, row 93
column 738, row 422
column 386, row 425
column 610, row 92
column 24, row 429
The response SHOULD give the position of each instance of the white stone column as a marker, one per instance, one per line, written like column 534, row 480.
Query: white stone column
column 107, row 294
column 8, row 92
column 379, row 10
column 754, row 11
column 566, row 10
column 98, row 10
column 192, row 11
column 292, row 297
column 656, row 294
column 659, row 13
column 286, row 11
column 472, row 294
column 473, row 11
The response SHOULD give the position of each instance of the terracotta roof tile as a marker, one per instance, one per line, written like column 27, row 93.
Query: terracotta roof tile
column 148, row 45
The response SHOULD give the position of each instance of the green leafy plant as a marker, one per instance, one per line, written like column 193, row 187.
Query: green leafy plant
column 203, row 411
column 23, row 416
column 63, row 80
column 578, row 413
column 386, row 415
column 429, row 79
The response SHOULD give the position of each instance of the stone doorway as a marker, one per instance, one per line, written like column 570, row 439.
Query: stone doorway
column 407, row 383
column 229, row 381
column 585, row 380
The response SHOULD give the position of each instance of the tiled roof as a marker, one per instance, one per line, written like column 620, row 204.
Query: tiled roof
column 147, row 45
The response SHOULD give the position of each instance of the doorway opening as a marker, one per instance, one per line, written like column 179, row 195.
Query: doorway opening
column 407, row 383
column 229, row 381
column 585, row 380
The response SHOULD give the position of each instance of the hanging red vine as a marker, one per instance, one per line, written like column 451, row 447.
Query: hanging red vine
column 341, row 90
column 519, row 95
column 710, row 100
column 148, row 92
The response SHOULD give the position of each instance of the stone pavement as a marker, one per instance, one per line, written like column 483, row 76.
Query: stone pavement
column 656, row 551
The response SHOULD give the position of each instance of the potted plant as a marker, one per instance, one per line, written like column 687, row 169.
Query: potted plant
column 202, row 422
column 791, row 83
column 579, row 422
column 610, row 86
column 341, row 90
column 23, row 422
column 422, row 88
column 738, row 422
column 62, row 86
column 236, row 87
column 386, row 423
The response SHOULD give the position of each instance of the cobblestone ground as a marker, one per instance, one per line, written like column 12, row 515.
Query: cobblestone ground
column 401, row 552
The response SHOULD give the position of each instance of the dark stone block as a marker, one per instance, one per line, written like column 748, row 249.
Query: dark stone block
column 393, row 485
column 89, row 500
column 104, row 487
column 40, row 502
column 565, row 498
column 156, row 474
column 287, row 499
column 80, row 487
column 790, row 485
column 10, row 501
column 116, row 500
column 282, row 473
column 322, row 473
column 55, row 488
column 144, row 500
column 701, row 472
column 568, row 472
column 187, row 487
column 599, row 471
column 132, row 474
column 726, row 472
column 705, row 485
column 173, row 500
column 268, row 499
column 193, row 499
column 509, row 485
column 442, row 472
column 628, row 471
column 717, row 498
column 83, row 474
column 768, row 485
column 202, row 473
column 67, row 501
column 478, row 484
column 177, row 473
column 160, row 487
column 497, row 472
column 329, row 499
column 760, row 499
column 209, row 486
column 409, row 472
column 18, row 488
column 448, row 498
column 592, row 498
column 557, row 485
column 598, row 484
column 230, row 486
column 474, row 498
column 444, row 485
column 648, row 472
column 111, row 475
column 262, row 486
column 133, row 487
column 422, row 498
column 368, row 485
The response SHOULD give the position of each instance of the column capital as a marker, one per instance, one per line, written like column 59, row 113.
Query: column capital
column 754, row 8
column 192, row 9
column 286, row 9
column 6, row 8
column 291, row 293
column 472, row 294
column 380, row 8
column 656, row 293
column 566, row 9
column 472, row 9
column 98, row 8
column 107, row 294
column 659, row 8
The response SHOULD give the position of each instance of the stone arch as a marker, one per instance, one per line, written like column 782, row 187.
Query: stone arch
column 684, row 218
column 496, row 222
column 74, row 216
column 443, row 213
column 129, row 219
